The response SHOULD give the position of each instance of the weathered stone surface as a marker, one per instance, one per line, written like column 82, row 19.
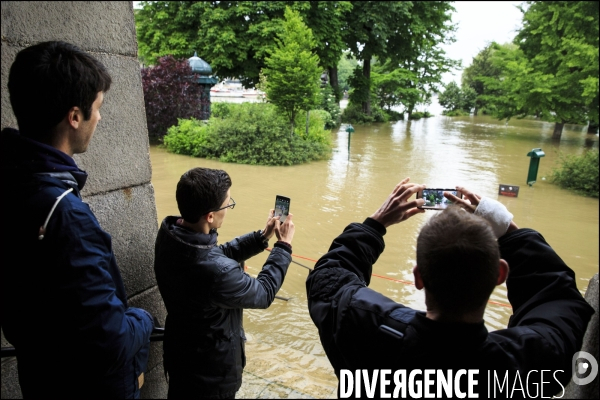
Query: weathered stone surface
column 118, row 155
column 151, row 301
column 96, row 26
column 10, row 380
column 590, row 345
column 129, row 215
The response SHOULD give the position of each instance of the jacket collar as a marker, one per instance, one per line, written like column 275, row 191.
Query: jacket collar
column 24, row 156
column 459, row 333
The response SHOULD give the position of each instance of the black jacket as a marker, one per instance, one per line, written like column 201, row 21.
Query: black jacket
column 205, row 291
column 362, row 329
column 63, row 297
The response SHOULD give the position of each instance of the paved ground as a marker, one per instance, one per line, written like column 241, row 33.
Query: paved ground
column 255, row 387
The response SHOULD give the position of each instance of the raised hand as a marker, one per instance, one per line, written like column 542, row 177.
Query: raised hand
column 397, row 208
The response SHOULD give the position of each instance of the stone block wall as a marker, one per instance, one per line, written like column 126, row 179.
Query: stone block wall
column 118, row 162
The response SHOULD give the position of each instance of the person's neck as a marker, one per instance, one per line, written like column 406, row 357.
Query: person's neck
column 199, row 227
column 467, row 318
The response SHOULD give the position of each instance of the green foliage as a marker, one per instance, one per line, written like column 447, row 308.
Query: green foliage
column 420, row 114
column 455, row 99
column 316, row 123
column 353, row 113
column 554, row 71
column 346, row 67
column 578, row 173
column 406, row 34
column 251, row 133
column 189, row 136
column 235, row 37
column 331, row 106
column 293, row 72
column 221, row 109
column 481, row 68
column 392, row 87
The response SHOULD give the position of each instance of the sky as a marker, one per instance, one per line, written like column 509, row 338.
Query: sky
column 479, row 23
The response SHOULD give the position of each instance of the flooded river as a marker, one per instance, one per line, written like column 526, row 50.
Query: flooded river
column 479, row 153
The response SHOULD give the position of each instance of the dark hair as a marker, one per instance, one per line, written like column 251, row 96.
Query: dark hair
column 47, row 79
column 200, row 191
column 458, row 258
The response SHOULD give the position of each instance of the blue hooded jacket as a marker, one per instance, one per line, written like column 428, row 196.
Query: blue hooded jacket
column 64, row 305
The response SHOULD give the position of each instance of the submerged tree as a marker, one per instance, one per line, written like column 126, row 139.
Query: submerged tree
column 292, row 70
column 554, row 72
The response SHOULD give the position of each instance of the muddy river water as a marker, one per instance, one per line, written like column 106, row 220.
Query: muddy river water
column 479, row 153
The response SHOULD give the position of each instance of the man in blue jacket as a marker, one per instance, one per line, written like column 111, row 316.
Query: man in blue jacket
column 378, row 346
column 64, row 306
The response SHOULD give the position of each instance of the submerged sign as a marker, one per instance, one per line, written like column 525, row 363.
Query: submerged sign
column 508, row 190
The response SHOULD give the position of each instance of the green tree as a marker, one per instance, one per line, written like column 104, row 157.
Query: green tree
column 393, row 88
column 481, row 67
column 292, row 70
column 554, row 73
column 235, row 37
column 345, row 68
column 404, row 33
column 455, row 98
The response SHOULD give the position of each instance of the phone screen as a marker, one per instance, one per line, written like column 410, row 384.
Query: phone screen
column 282, row 207
column 435, row 200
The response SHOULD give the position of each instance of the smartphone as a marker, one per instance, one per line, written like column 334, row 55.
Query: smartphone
column 282, row 207
column 434, row 198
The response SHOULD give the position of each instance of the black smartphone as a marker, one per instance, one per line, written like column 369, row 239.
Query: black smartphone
column 282, row 207
column 434, row 198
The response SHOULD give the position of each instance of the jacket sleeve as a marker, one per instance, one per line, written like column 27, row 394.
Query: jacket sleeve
column 234, row 288
column 108, row 331
column 336, row 287
column 244, row 247
column 548, row 311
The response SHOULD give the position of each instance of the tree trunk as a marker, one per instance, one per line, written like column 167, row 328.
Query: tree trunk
column 592, row 128
column 334, row 82
column 409, row 110
column 307, row 120
column 366, row 105
column 558, row 128
column 293, row 119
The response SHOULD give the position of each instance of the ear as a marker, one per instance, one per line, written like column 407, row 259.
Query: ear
column 74, row 117
column 418, row 280
column 502, row 272
column 209, row 217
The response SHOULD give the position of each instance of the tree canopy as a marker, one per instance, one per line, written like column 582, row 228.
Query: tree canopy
column 235, row 37
column 292, row 71
column 553, row 73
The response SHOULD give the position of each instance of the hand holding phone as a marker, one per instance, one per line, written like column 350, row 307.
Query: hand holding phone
column 282, row 207
column 435, row 199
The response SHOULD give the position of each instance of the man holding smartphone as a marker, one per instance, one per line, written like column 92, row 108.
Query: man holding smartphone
column 463, row 252
column 205, row 289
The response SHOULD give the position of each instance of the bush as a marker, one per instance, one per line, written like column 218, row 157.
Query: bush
column 394, row 115
column 330, row 104
column 419, row 115
column 252, row 133
column 221, row 109
column 170, row 93
column 190, row 137
column 455, row 113
column 578, row 173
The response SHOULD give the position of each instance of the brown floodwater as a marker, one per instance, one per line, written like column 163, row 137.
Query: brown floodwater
column 479, row 153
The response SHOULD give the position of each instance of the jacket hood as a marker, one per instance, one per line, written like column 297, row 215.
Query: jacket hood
column 21, row 156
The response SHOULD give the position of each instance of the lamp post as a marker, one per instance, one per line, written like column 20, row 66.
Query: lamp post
column 205, row 80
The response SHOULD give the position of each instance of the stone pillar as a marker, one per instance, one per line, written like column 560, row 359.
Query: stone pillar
column 590, row 345
column 118, row 189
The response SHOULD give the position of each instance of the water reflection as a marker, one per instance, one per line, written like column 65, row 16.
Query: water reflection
column 477, row 152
